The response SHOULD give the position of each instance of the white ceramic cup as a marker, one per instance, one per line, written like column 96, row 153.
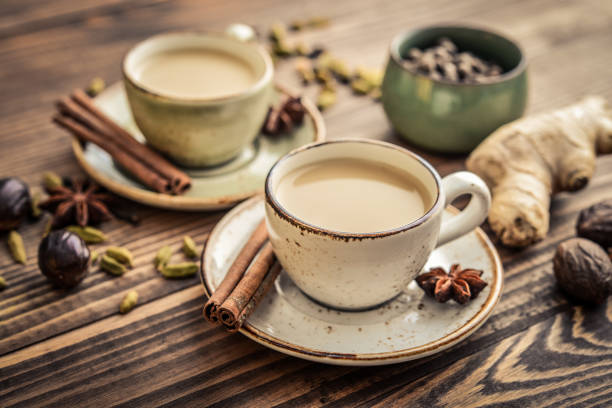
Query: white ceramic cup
column 361, row 270
column 203, row 131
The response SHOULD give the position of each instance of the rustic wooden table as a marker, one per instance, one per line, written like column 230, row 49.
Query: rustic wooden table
column 74, row 349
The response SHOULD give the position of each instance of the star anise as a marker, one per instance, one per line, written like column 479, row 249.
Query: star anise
column 79, row 202
column 282, row 118
column 459, row 284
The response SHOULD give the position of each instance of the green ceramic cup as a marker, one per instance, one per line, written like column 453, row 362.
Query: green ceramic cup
column 447, row 117
column 199, row 132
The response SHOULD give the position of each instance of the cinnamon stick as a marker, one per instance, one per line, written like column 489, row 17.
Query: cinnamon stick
column 235, row 272
column 261, row 291
column 179, row 181
column 242, row 294
column 142, row 172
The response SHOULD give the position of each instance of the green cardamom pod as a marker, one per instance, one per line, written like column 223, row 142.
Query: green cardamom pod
column 89, row 234
column 189, row 247
column 15, row 243
column 282, row 48
column 373, row 76
column 375, row 94
column 122, row 255
column 94, row 257
column 48, row 227
column 180, row 270
column 129, row 301
column 297, row 25
column 2, row 283
column 326, row 99
column 303, row 49
column 303, row 67
column 162, row 257
column 361, row 86
column 111, row 265
column 340, row 69
column 324, row 76
column 51, row 180
column 96, row 86
column 35, row 210
column 318, row 22
column 278, row 32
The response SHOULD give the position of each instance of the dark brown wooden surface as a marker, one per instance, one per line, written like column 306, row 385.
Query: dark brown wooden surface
column 74, row 349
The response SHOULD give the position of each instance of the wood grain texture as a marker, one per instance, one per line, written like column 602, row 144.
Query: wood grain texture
column 74, row 349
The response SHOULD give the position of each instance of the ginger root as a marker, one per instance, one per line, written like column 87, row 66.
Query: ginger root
column 526, row 161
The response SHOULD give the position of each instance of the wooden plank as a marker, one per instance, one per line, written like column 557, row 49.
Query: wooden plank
column 28, row 16
column 132, row 349
column 73, row 348
column 527, row 369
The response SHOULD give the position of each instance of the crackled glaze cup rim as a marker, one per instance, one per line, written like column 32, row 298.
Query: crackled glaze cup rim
column 437, row 205
column 398, row 41
column 128, row 65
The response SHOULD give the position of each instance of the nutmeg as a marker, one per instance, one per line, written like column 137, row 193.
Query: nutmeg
column 583, row 270
column 63, row 257
column 14, row 203
column 595, row 223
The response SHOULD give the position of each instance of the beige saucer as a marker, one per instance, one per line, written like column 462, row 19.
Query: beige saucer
column 212, row 188
column 410, row 326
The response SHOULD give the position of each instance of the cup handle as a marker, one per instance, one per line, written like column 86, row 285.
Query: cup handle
column 454, row 185
column 241, row 32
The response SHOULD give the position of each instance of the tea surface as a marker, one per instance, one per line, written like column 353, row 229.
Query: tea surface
column 353, row 195
column 196, row 73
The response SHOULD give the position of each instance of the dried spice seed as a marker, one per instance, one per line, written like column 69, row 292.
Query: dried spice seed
column 129, row 301
column 283, row 117
column 14, row 203
column 305, row 70
column 360, row 86
column 436, row 62
column 340, row 70
column 447, row 44
column 63, row 257
column 318, row 22
column 111, row 265
column 325, row 77
column 459, row 284
column 88, row 234
column 48, row 227
column 303, row 49
column 80, row 202
column 35, row 211
column 51, row 180
column 375, row 94
column 282, row 49
column 94, row 257
column 162, row 257
column 120, row 254
column 180, row 270
column 372, row 76
column 96, row 86
column 16, row 247
column 316, row 52
column 278, row 32
column 326, row 99
column 584, row 270
column 189, row 247
column 414, row 54
column 595, row 223
column 297, row 25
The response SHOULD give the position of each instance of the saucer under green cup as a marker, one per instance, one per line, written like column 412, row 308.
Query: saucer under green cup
column 443, row 116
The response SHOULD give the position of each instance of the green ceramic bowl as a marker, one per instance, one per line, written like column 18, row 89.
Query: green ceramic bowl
column 449, row 117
